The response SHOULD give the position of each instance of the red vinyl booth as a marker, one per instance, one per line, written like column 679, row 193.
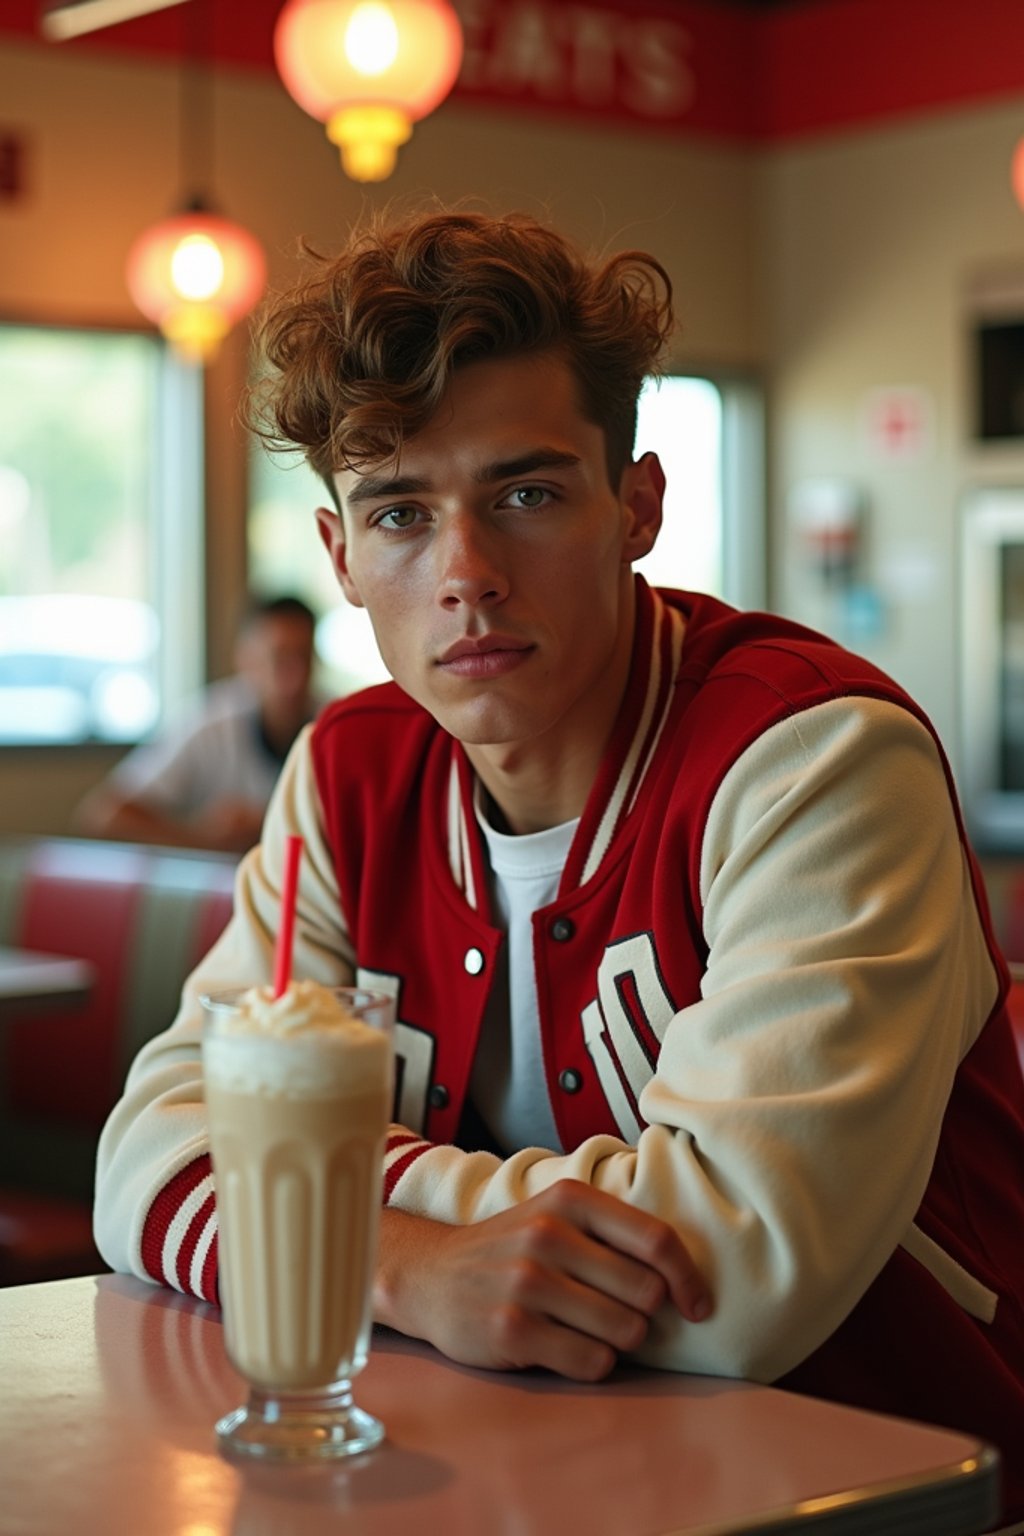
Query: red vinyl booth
column 141, row 917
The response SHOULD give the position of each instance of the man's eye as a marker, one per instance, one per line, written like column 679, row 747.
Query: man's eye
column 529, row 496
column 397, row 517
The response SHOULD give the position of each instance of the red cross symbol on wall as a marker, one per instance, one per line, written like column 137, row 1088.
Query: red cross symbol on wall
column 896, row 423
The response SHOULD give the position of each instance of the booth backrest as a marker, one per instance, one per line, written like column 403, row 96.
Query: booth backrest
column 142, row 917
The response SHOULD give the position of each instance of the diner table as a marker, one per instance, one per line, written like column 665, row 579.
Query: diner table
column 32, row 979
column 110, row 1389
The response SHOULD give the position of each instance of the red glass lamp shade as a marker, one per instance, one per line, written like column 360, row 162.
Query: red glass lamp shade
column 368, row 69
column 195, row 274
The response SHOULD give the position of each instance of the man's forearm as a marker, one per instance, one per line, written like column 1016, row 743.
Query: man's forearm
column 221, row 827
column 111, row 816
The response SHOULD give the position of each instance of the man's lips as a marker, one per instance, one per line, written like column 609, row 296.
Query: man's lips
column 484, row 656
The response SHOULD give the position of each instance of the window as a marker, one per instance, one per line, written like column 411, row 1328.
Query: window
column 680, row 419
column 708, row 441
column 87, row 418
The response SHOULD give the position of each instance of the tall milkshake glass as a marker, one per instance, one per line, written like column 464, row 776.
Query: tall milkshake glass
column 298, row 1092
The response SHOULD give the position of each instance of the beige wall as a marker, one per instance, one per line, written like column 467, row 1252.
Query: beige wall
column 102, row 163
column 870, row 242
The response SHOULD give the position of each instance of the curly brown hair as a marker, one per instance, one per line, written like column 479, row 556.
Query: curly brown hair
column 360, row 354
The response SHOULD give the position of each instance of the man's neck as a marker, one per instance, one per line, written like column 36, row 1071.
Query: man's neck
column 546, row 782
column 530, row 794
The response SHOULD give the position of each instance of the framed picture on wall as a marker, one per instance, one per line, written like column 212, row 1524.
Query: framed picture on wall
column 992, row 667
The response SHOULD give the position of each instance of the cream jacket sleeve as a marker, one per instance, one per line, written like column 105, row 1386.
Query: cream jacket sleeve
column 159, row 1125
column 793, row 1117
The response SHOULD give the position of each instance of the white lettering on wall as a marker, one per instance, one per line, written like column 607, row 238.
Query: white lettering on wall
column 589, row 56
column 660, row 80
column 526, row 54
column 595, row 45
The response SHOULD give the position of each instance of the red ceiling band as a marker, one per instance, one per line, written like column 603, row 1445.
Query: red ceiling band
column 687, row 67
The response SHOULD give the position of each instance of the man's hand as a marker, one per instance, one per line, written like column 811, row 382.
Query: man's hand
column 567, row 1280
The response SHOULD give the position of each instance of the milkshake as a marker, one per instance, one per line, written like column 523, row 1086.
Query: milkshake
column 298, row 1092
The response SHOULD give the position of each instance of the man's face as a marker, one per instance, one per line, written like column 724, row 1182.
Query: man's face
column 275, row 654
column 494, row 556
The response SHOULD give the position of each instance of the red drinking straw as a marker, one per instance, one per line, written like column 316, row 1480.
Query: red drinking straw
column 285, row 934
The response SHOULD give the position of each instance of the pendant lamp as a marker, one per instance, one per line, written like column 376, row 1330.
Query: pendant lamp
column 195, row 273
column 368, row 69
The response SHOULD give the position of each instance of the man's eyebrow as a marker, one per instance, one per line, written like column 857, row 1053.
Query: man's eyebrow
column 370, row 487
column 374, row 487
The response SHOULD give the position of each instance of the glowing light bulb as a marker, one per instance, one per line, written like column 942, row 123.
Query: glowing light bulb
column 371, row 38
column 197, row 268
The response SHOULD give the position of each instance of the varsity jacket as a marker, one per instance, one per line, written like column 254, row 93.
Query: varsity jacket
column 770, row 1002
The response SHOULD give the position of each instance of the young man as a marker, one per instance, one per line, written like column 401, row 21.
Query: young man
column 703, row 1056
column 206, row 782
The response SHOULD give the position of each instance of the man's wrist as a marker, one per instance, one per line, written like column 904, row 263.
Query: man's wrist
column 400, row 1283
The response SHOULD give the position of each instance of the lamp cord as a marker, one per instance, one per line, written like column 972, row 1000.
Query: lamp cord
column 195, row 114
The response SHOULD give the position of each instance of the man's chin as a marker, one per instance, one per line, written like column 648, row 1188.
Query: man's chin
column 483, row 723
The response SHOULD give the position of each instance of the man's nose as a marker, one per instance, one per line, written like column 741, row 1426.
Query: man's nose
column 470, row 568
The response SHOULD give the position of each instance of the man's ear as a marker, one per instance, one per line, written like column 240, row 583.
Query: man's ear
column 642, row 494
column 332, row 533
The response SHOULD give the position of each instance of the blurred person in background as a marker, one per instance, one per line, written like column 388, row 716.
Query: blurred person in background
column 206, row 781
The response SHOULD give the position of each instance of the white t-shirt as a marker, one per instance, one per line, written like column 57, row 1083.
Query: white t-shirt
column 508, row 1087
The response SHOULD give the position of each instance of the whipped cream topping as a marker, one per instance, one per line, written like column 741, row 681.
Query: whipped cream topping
column 303, row 1005
column 304, row 1042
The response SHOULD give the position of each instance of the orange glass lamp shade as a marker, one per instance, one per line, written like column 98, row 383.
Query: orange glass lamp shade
column 195, row 275
column 369, row 69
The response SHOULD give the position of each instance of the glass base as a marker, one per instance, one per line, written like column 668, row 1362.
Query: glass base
column 300, row 1426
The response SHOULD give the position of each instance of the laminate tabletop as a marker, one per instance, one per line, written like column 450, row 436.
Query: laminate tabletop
column 111, row 1388
column 31, row 979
